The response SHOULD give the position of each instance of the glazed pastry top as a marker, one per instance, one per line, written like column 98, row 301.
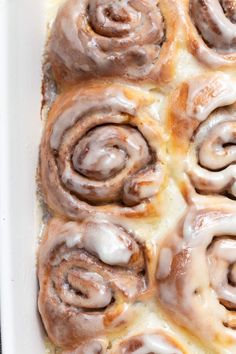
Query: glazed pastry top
column 106, row 39
column 137, row 169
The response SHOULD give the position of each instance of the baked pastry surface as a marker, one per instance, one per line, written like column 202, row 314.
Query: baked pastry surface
column 134, row 40
column 138, row 179
column 97, row 155
column 196, row 272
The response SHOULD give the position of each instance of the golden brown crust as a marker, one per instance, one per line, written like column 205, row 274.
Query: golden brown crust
column 149, row 342
column 210, row 31
column 97, row 155
column 134, row 40
column 146, row 342
column 93, row 346
column 106, row 162
column 202, row 121
column 195, row 274
column 90, row 274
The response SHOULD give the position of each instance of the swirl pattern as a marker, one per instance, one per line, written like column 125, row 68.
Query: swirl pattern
column 89, row 275
column 103, row 38
column 229, row 7
column 93, row 346
column 146, row 343
column 111, row 68
column 97, row 154
column 216, row 23
column 207, row 120
column 213, row 40
column 196, row 274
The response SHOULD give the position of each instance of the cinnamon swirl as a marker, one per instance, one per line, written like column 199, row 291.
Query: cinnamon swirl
column 196, row 274
column 146, row 343
column 139, row 139
column 90, row 273
column 93, row 346
column 211, row 30
column 98, row 155
column 103, row 38
column 203, row 120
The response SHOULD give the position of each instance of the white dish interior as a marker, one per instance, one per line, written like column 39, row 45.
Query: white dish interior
column 22, row 32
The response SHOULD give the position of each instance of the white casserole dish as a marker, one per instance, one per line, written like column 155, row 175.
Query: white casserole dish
column 22, row 34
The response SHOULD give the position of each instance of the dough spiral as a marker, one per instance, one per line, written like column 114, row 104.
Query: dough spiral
column 204, row 130
column 93, row 346
column 146, row 343
column 98, row 155
column 211, row 30
column 216, row 22
column 103, row 38
column 89, row 275
column 196, row 273
column 158, row 342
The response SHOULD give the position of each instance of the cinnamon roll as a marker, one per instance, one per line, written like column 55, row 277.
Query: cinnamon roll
column 213, row 40
column 203, row 120
column 104, row 38
column 98, row 153
column 196, row 274
column 146, row 343
column 89, row 273
column 93, row 346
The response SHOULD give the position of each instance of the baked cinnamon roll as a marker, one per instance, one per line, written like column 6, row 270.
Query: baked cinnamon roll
column 146, row 343
column 203, row 125
column 213, row 40
column 99, row 154
column 104, row 38
column 196, row 274
column 89, row 273
column 93, row 346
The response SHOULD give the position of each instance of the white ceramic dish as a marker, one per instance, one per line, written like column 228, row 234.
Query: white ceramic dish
column 22, row 30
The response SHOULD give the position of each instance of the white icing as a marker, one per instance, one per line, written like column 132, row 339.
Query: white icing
column 76, row 289
column 105, row 156
column 114, row 100
column 92, row 347
column 208, row 181
column 214, row 26
column 165, row 260
column 197, row 288
column 99, row 159
column 73, row 239
column 106, row 184
column 221, row 256
column 100, row 38
column 211, row 226
column 152, row 343
column 211, row 160
column 212, row 154
column 158, row 344
column 207, row 93
column 95, row 291
column 211, row 165
column 109, row 242
column 229, row 7
column 112, row 244
column 143, row 185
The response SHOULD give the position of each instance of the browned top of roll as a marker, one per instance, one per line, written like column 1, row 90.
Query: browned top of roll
column 104, row 38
